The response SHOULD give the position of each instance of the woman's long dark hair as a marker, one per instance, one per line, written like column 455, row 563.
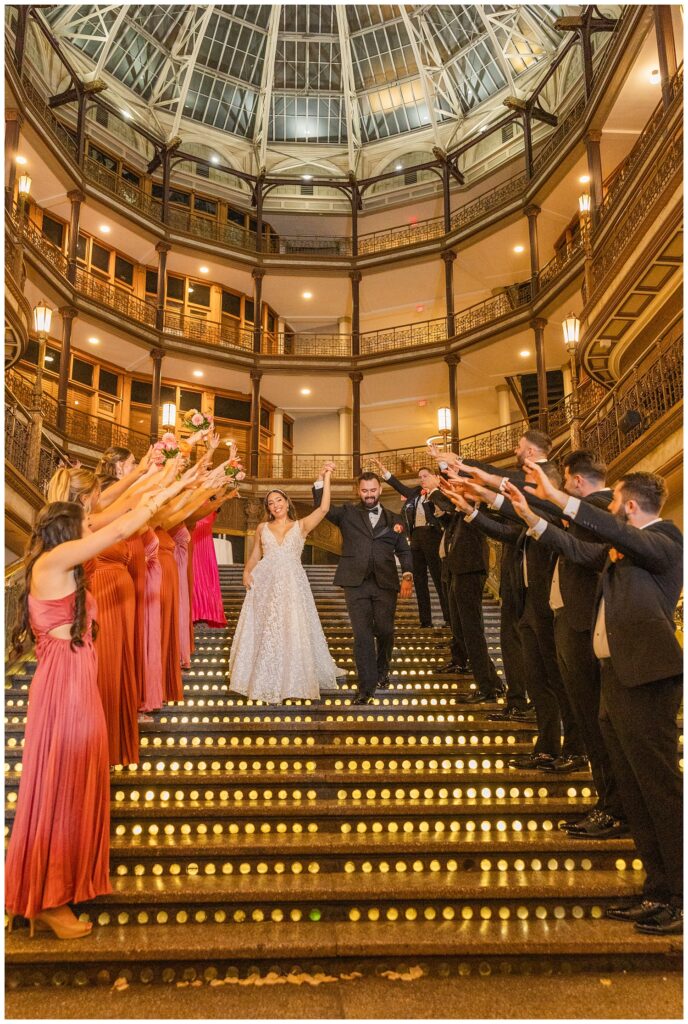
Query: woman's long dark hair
column 291, row 511
column 106, row 470
column 56, row 523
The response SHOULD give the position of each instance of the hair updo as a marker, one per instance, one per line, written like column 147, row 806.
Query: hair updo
column 72, row 484
column 56, row 523
column 106, row 470
column 291, row 511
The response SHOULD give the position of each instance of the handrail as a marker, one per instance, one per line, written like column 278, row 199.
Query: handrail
column 18, row 438
column 651, row 387
column 581, row 401
column 369, row 242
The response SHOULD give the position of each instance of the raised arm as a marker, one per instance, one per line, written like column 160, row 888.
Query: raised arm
column 335, row 513
column 310, row 522
column 591, row 554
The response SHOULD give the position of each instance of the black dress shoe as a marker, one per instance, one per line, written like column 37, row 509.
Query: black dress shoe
column 633, row 912
column 500, row 716
column 363, row 699
column 568, row 763
column 598, row 825
column 531, row 761
column 517, row 715
column 386, row 682
column 667, row 920
column 479, row 698
column 451, row 667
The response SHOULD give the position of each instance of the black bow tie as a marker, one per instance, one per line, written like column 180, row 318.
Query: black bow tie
column 375, row 510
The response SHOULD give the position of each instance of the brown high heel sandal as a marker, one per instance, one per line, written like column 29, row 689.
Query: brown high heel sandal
column 61, row 931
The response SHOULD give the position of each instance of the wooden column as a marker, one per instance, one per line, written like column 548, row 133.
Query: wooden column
column 256, row 376
column 356, row 378
column 452, row 361
column 68, row 313
column 592, row 147
column 355, row 276
column 531, row 211
column 162, row 249
column 528, row 144
column 76, row 198
column 538, row 325
column 157, row 357
column 448, row 258
column 257, row 274
column 80, row 125
column 666, row 50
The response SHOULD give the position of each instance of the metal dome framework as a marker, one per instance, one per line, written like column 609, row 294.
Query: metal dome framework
column 276, row 75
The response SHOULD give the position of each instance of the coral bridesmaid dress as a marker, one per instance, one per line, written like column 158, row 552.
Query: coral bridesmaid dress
column 137, row 571
column 60, row 845
column 181, row 537
column 113, row 589
column 207, row 596
column 151, row 623
column 190, row 584
column 169, row 605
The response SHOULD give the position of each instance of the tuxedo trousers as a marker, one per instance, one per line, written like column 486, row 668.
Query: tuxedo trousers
column 371, row 611
column 641, row 733
column 545, row 685
column 512, row 650
column 425, row 551
column 466, row 600
column 459, row 653
column 580, row 671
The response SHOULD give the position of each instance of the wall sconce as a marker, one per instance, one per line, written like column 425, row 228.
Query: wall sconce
column 169, row 415
column 42, row 318
column 24, row 186
column 584, row 204
column 444, row 420
column 571, row 329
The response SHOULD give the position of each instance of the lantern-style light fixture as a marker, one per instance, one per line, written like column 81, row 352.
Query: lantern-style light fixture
column 571, row 329
column 444, row 420
column 24, row 186
column 169, row 415
column 42, row 318
column 584, row 203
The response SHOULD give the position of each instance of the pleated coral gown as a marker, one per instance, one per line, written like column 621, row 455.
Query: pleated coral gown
column 60, row 845
column 151, row 624
column 190, row 584
column 169, row 607
column 181, row 537
column 137, row 571
column 207, row 596
column 113, row 589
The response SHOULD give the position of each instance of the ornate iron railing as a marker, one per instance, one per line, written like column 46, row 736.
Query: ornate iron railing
column 14, row 591
column 50, row 122
column 208, row 332
column 587, row 395
column 650, row 388
column 129, row 194
column 22, row 386
column 556, row 140
column 113, row 297
column 18, row 440
column 289, row 466
column 99, row 434
column 567, row 255
column 31, row 233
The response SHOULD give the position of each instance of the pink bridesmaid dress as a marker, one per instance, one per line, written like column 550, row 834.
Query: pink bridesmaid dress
column 207, row 596
column 59, row 849
column 181, row 537
column 153, row 695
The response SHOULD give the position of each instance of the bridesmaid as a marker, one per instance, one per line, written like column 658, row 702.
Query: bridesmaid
column 181, row 537
column 59, row 848
column 153, row 697
column 207, row 603
column 169, row 619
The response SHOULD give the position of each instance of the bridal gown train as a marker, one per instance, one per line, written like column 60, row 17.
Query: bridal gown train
column 279, row 648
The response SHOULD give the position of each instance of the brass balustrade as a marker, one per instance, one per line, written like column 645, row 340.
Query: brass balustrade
column 35, row 237
column 98, row 433
column 50, row 122
column 652, row 387
column 555, row 141
column 208, row 332
column 129, row 194
column 567, row 255
column 22, row 389
column 294, row 344
column 18, row 440
column 587, row 396
column 289, row 466
column 492, row 199
column 113, row 297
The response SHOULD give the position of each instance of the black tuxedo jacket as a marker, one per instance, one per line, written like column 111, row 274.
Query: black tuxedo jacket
column 408, row 509
column 364, row 550
column 640, row 590
column 466, row 549
column 578, row 583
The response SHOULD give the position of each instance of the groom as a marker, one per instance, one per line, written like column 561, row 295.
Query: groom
column 367, row 572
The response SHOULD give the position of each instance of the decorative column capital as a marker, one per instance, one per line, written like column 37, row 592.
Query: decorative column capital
column 156, row 354
column 356, row 376
column 538, row 324
column 594, row 135
column 161, row 247
column 356, row 276
column 452, row 359
column 76, row 196
column 256, row 375
column 257, row 273
column 448, row 255
column 531, row 210
column 68, row 312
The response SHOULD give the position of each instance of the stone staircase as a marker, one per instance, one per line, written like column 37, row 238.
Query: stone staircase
column 315, row 836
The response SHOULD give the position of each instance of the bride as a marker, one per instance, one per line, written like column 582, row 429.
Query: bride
column 279, row 648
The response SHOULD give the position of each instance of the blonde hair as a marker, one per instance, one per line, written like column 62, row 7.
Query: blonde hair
column 106, row 470
column 72, row 484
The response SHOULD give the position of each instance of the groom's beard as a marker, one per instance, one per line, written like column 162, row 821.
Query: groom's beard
column 370, row 502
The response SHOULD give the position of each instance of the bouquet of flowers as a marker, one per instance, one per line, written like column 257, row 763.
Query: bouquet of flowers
column 195, row 421
column 235, row 471
column 166, row 448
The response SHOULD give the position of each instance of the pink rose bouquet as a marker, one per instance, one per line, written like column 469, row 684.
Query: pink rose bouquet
column 235, row 470
column 195, row 420
column 166, row 448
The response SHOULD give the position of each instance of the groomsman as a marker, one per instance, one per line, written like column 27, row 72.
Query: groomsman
column 426, row 533
column 641, row 669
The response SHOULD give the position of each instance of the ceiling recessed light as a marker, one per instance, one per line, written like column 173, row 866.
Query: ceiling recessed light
column 307, row 295
column 198, row 373
column 214, row 159
column 584, row 179
column 398, row 167
column 104, row 229
column 203, row 270
column 307, row 177
column 519, row 248
column 94, row 341
column 654, row 76
column 22, row 161
column 524, row 353
column 305, row 391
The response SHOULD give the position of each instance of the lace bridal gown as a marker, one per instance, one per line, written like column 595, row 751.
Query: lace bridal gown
column 279, row 648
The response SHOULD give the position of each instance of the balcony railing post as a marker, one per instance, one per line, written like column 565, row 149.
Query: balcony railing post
column 68, row 314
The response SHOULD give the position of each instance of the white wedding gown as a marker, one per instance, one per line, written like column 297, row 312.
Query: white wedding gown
column 279, row 648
